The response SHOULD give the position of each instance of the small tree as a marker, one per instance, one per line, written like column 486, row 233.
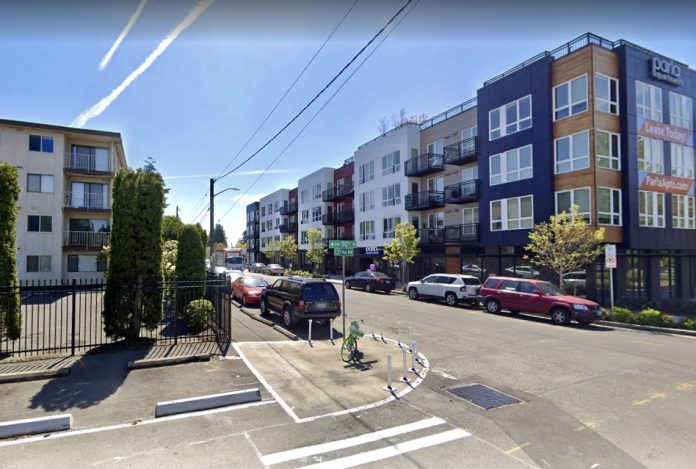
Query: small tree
column 171, row 226
column 190, row 258
column 219, row 236
column 272, row 249
column 10, row 310
column 403, row 248
column 564, row 244
column 317, row 251
column 288, row 248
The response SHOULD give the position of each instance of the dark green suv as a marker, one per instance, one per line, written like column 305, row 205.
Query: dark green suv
column 301, row 298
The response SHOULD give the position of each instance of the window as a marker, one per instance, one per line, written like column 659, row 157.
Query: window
column 39, row 183
column 391, row 163
column 316, row 191
column 436, row 220
column 276, row 206
column 437, row 147
column 648, row 101
column 367, row 201
column 38, row 263
column 39, row 223
column 316, row 213
column 511, row 118
column 471, row 173
column 41, row 143
column 85, row 263
column 572, row 152
column 512, row 214
column 606, row 94
column 89, row 158
column 608, row 150
column 681, row 111
column 305, row 216
column 389, row 226
column 650, row 155
column 367, row 230
column 366, row 172
column 303, row 238
column 512, row 165
column 470, row 215
column 570, row 98
column 391, row 195
column 683, row 212
column 608, row 206
column 682, row 161
column 651, row 209
column 303, row 196
column 580, row 197
column 263, row 210
column 436, row 183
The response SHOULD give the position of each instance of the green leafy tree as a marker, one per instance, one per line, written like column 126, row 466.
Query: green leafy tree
column 403, row 248
column 190, row 266
column 288, row 248
column 219, row 235
column 317, row 251
column 169, row 253
column 204, row 236
column 133, row 298
column 272, row 250
column 565, row 243
column 171, row 226
column 10, row 309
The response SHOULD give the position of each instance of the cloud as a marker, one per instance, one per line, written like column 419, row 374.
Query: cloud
column 105, row 102
column 105, row 61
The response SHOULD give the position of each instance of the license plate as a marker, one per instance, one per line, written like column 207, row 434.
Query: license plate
column 321, row 305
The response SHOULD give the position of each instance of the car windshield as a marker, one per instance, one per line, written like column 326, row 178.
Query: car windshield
column 255, row 282
column 235, row 260
column 380, row 275
column 549, row 289
column 274, row 266
column 319, row 290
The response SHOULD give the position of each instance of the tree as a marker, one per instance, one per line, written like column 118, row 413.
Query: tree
column 219, row 235
column 171, row 226
column 10, row 308
column 203, row 234
column 403, row 248
column 388, row 123
column 242, row 240
column 133, row 298
column 317, row 250
column 288, row 248
column 272, row 249
column 190, row 266
column 169, row 253
column 565, row 243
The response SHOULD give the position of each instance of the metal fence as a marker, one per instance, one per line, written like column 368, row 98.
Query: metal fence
column 60, row 317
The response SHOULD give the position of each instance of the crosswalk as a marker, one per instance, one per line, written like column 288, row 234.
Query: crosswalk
column 322, row 452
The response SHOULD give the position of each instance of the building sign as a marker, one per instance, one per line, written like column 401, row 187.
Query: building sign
column 610, row 256
column 667, row 184
column 666, row 132
column 665, row 70
column 373, row 250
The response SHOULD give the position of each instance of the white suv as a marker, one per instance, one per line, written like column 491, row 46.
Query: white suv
column 451, row 288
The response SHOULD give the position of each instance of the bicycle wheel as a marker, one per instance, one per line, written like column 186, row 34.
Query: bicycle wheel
column 348, row 349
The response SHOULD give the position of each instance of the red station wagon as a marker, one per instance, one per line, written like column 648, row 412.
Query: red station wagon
column 536, row 296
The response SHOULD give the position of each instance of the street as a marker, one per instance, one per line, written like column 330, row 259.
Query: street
column 592, row 397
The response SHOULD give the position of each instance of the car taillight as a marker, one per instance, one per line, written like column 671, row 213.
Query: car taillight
column 300, row 306
column 338, row 305
column 379, row 280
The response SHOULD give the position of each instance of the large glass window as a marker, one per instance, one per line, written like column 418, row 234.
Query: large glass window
column 651, row 155
column 608, row 150
column 389, row 226
column 572, row 152
column 41, row 143
column 580, row 197
column 39, row 223
column 510, row 118
column 683, row 211
column 367, row 230
column 367, row 201
column 391, row 163
column 38, row 263
column 86, row 263
column 316, row 213
column 89, row 158
column 471, row 173
column 648, row 101
column 513, row 165
column 512, row 214
column 608, row 206
column 682, row 161
column 606, row 94
column 391, row 195
column 570, row 98
column 366, row 172
column 681, row 112
column 651, row 209
column 39, row 183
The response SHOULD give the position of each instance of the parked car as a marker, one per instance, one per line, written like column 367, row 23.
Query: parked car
column 257, row 267
column 248, row 289
column 371, row 281
column 301, row 298
column 523, row 271
column 451, row 288
column 473, row 269
column 273, row 269
column 573, row 281
column 536, row 296
column 231, row 275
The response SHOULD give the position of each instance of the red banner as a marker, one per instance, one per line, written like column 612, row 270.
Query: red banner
column 668, row 184
column 662, row 131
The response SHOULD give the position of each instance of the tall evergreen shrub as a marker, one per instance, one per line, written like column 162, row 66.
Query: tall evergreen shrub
column 10, row 312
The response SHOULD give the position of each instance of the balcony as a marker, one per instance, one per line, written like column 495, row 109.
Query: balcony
column 328, row 219
column 462, row 234
column 86, row 201
column 426, row 163
column 289, row 227
column 328, row 195
column 344, row 236
column 86, row 239
column 344, row 216
column 87, row 163
column 345, row 190
column 462, row 152
column 431, row 235
column 463, row 192
column 425, row 200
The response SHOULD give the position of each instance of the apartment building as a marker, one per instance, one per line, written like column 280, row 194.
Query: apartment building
column 339, row 216
column 311, row 207
column 289, row 210
column 253, row 232
column 65, row 179
column 271, row 220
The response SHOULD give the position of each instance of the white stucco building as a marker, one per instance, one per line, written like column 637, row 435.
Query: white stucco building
column 311, row 207
column 271, row 221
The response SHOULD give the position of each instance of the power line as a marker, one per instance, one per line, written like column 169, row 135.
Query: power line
column 318, row 112
column 355, row 57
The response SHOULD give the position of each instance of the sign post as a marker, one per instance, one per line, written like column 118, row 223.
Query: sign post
column 343, row 248
column 610, row 264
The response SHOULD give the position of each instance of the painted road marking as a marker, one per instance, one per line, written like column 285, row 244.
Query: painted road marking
column 516, row 448
column 298, row 453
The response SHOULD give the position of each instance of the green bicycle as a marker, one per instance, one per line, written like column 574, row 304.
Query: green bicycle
column 349, row 349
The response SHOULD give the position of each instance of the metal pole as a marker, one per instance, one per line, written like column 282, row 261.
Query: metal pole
column 413, row 357
column 389, row 387
column 404, row 378
column 611, row 288
column 211, row 242
column 74, row 293
column 309, row 339
column 343, row 292
column 331, row 330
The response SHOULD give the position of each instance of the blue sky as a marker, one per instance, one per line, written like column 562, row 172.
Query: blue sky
column 202, row 98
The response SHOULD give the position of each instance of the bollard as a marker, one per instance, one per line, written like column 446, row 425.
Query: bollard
column 410, row 336
column 331, row 331
column 389, row 387
column 413, row 358
column 373, row 328
column 398, row 334
column 381, row 328
column 415, row 351
column 404, row 376
column 309, row 335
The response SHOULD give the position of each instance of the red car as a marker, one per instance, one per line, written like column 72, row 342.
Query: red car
column 248, row 289
column 536, row 296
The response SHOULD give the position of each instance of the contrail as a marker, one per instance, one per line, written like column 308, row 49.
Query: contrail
column 105, row 61
column 105, row 102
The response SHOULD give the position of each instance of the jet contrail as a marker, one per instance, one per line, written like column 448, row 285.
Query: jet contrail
column 105, row 102
column 105, row 61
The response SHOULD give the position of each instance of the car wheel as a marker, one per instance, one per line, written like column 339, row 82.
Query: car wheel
column 347, row 285
column 560, row 316
column 413, row 293
column 451, row 299
column 263, row 307
column 492, row 306
column 288, row 320
column 368, row 288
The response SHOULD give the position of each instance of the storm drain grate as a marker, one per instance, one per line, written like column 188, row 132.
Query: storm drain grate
column 483, row 396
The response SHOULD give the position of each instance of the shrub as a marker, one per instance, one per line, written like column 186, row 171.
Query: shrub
column 653, row 317
column 298, row 273
column 689, row 324
column 620, row 314
column 197, row 313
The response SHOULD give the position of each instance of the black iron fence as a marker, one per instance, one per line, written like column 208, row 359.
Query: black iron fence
column 61, row 317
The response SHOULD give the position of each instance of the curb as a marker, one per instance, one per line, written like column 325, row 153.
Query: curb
column 256, row 317
column 639, row 327
column 213, row 401
column 285, row 332
column 54, row 423
column 157, row 362
column 33, row 375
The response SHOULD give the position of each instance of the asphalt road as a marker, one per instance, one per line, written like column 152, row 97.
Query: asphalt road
column 590, row 398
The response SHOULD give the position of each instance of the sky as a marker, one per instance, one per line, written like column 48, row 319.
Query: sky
column 188, row 82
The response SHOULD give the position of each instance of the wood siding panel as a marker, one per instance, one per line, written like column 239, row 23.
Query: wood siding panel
column 608, row 122
column 605, row 62
column 613, row 234
column 571, row 66
column 574, row 179
column 608, row 178
column 452, row 260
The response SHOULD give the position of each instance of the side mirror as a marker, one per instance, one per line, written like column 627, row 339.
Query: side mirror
column 422, row 281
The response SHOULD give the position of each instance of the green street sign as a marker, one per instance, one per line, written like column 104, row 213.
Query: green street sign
column 341, row 244
column 343, row 252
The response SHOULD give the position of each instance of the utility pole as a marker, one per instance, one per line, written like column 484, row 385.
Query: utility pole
column 211, row 242
column 177, row 211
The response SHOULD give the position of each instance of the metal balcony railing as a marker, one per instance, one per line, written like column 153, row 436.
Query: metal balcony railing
column 86, row 239
column 328, row 195
column 421, row 165
column 344, row 236
column 345, row 216
column 289, row 207
column 424, row 200
column 328, row 219
column 463, row 192
column 465, row 151
column 345, row 190
column 87, row 163
column 289, row 227
column 86, row 201
column 431, row 235
column 467, row 233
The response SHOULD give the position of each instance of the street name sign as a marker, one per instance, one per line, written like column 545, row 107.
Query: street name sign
column 342, row 248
